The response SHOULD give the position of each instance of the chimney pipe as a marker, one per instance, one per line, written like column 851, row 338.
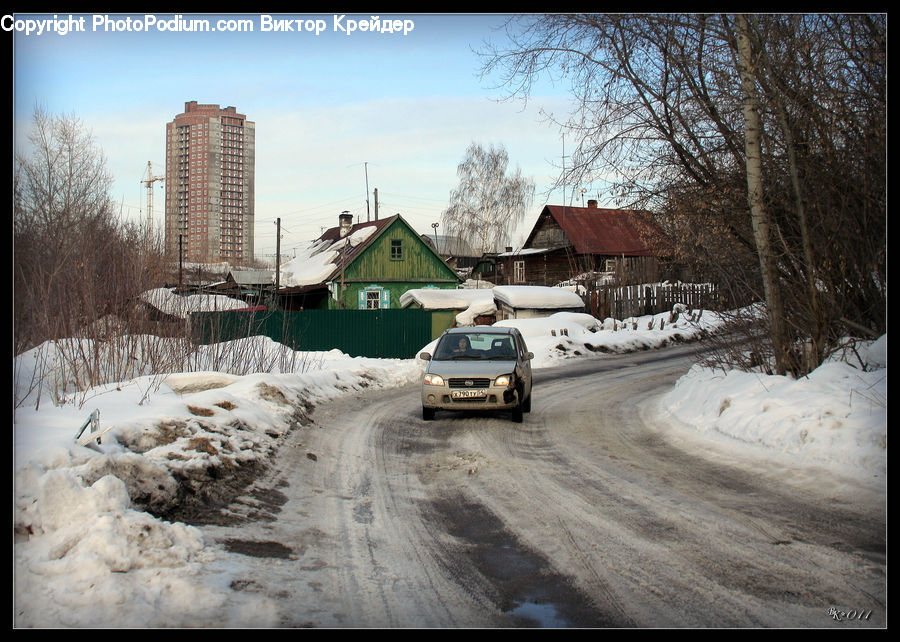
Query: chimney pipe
column 346, row 222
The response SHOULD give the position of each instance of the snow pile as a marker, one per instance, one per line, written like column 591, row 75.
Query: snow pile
column 88, row 552
column 165, row 300
column 573, row 335
column 91, row 559
column 837, row 414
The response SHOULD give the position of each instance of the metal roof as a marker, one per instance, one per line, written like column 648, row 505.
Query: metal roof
column 610, row 232
column 349, row 251
column 252, row 277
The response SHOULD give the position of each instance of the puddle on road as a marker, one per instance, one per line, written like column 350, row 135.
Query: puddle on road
column 546, row 615
column 531, row 590
column 257, row 549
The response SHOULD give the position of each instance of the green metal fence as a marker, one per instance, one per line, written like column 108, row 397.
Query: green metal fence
column 386, row 334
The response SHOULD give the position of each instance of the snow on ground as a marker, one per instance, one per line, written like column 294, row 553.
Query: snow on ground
column 88, row 553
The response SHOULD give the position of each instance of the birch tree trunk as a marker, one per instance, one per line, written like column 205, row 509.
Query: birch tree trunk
column 755, row 194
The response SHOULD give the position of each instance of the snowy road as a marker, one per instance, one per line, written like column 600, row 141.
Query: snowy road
column 591, row 513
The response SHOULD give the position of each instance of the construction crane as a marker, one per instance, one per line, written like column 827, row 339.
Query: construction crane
column 148, row 181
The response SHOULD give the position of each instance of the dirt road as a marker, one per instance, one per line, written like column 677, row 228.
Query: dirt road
column 591, row 513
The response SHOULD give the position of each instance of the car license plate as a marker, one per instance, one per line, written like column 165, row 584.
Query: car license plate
column 468, row 394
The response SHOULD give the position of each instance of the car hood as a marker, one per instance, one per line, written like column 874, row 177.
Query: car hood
column 471, row 368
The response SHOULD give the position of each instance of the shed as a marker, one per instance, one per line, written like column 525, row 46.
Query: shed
column 531, row 301
column 462, row 307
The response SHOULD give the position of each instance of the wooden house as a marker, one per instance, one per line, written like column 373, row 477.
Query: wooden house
column 250, row 285
column 531, row 301
column 567, row 242
column 367, row 266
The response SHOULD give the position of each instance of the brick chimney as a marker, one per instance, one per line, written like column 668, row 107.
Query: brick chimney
column 345, row 221
column 592, row 204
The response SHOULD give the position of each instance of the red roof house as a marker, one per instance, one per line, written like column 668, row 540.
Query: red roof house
column 568, row 242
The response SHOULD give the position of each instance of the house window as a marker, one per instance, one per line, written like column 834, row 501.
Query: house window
column 519, row 271
column 396, row 249
column 374, row 298
column 610, row 265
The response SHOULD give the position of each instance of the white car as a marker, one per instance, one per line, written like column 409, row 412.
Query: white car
column 481, row 368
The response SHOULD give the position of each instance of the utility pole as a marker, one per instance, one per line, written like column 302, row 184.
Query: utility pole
column 277, row 259
column 376, row 203
column 180, row 261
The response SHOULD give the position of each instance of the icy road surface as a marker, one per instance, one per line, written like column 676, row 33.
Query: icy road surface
column 591, row 513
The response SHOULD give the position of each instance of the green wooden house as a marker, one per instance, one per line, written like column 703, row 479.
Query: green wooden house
column 367, row 266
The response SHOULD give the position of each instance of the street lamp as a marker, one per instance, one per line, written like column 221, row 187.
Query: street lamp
column 434, row 226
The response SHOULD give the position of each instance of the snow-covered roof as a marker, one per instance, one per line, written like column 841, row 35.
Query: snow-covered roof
column 526, row 251
column 165, row 300
column 535, row 297
column 470, row 302
column 321, row 259
column 252, row 277
column 440, row 299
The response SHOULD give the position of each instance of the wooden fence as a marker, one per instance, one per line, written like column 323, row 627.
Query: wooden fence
column 621, row 302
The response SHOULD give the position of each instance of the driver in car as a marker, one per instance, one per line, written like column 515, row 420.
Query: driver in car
column 462, row 347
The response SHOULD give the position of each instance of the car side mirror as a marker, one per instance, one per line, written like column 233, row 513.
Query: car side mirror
column 425, row 356
column 529, row 356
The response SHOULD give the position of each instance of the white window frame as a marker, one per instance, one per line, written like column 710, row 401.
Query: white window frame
column 519, row 271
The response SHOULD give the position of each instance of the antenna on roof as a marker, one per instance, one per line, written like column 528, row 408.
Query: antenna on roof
column 367, row 190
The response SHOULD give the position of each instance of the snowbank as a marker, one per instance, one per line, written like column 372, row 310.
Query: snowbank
column 87, row 551
column 836, row 416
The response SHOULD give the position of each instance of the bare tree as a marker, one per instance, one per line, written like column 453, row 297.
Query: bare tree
column 489, row 202
column 759, row 140
column 74, row 262
column 759, row 215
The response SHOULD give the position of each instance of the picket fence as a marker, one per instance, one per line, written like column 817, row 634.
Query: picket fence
column 624, row 301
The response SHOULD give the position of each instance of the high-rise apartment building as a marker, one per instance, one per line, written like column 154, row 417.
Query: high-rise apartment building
column 210, row 157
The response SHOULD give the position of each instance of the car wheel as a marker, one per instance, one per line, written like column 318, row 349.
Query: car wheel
column 427, row 413
column 517, row 415
column 526, row 406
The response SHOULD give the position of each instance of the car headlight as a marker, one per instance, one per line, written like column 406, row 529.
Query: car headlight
column 434, row 380
column 503, row 380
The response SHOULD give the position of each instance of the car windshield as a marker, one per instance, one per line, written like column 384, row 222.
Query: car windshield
column 475, row 346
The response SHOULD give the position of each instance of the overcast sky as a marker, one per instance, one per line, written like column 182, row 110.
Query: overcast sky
column 328, row 108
